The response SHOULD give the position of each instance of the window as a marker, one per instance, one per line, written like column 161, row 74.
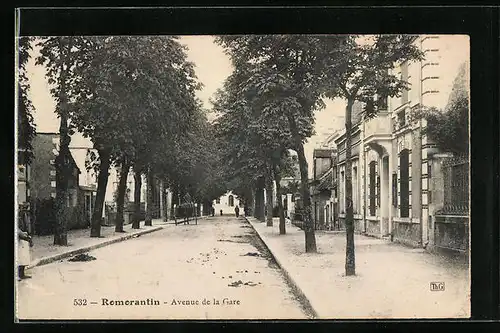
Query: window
column 217, row 201
column 53, row 183
column 404, row 77
column 231, row 201
column 395, row 190
column 405, row 183
column 402, row 118
column 53, row 194
column 52, row 172
column 372, row 187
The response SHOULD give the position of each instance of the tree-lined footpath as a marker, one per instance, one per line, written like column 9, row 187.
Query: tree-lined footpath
column 134, row 98
column 288, row 77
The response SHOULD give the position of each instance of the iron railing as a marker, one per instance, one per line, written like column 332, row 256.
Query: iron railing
column 456, row 186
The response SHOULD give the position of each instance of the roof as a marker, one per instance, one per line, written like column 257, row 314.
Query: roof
column 79, row 156
column 325, row 183
column 322, row 153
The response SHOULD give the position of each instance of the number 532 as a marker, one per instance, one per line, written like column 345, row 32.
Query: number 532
column 79, row 301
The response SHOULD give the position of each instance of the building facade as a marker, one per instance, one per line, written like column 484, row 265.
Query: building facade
column 42, row 189
column 321, row 189
column 394, row 162
column 226, row 204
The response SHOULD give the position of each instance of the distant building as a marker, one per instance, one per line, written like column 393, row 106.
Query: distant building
column 321, row 187
column 227, row 203
column 43, row 187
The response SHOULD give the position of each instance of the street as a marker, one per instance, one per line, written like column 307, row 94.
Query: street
column 217, row 269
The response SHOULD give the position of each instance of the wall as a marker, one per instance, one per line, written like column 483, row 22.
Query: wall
column 322, row 165
column 41, row 167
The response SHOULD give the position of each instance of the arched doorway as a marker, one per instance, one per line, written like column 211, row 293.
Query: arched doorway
column 231, row 201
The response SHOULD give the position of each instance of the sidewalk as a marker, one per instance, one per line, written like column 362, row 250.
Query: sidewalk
column 392, row 281
column 79, row 241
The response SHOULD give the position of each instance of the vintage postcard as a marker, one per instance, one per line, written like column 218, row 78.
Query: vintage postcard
column 242, row 177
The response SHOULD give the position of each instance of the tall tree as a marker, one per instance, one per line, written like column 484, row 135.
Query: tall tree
column 138, row 93
column 25, row 123
column 137, row 196
column 62, row 56
column 287, row 78
column 361, row 69
column 269, row 196
column 120, row 200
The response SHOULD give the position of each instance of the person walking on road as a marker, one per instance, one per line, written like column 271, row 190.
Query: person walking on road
column 237, row 211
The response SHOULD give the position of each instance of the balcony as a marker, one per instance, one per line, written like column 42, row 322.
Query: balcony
column 378, row 127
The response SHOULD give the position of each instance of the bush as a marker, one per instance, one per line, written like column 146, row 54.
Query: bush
column 45, row 217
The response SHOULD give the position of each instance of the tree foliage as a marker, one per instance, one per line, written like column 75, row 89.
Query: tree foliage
column 285, row 86
column 449, row 128
column 25, row 123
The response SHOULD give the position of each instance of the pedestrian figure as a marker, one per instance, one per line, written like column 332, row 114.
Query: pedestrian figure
column 213, row 211
column 221, row 212
column 23, row 244
column 237, row 210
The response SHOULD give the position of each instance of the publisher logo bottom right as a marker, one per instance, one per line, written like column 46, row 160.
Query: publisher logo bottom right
column 436, row 286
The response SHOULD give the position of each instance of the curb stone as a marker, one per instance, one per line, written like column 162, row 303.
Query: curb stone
column 83, row 249
column 287, row 275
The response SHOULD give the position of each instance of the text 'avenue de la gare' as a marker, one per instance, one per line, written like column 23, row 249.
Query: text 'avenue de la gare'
column 174, row 302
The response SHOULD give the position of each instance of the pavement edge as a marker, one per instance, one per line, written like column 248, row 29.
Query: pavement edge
column 80, row 250
column 287, row 275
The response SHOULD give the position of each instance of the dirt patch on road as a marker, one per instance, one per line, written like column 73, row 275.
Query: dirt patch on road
column 82, row 257
column 230, row 241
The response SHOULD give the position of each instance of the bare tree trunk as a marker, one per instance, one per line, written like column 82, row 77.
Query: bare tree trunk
column 102, row 183
column 277, row 178
column 149, row 198
column 269, row 198
column 120, row 200
column 137, row 198
column 250, row 202
column 259, row 200
column 350, row 264
column 63, row 159
column 63, row 172
column 310, row 238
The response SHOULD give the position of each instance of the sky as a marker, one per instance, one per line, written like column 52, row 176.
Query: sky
column 212, row 67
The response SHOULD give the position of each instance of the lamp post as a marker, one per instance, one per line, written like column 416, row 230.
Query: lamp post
column 196, row 213
column 175, row 214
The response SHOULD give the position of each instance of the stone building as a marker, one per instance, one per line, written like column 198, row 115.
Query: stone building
column 392, row 157
column 42, row 189
column 227, row 203
column 321, row 188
